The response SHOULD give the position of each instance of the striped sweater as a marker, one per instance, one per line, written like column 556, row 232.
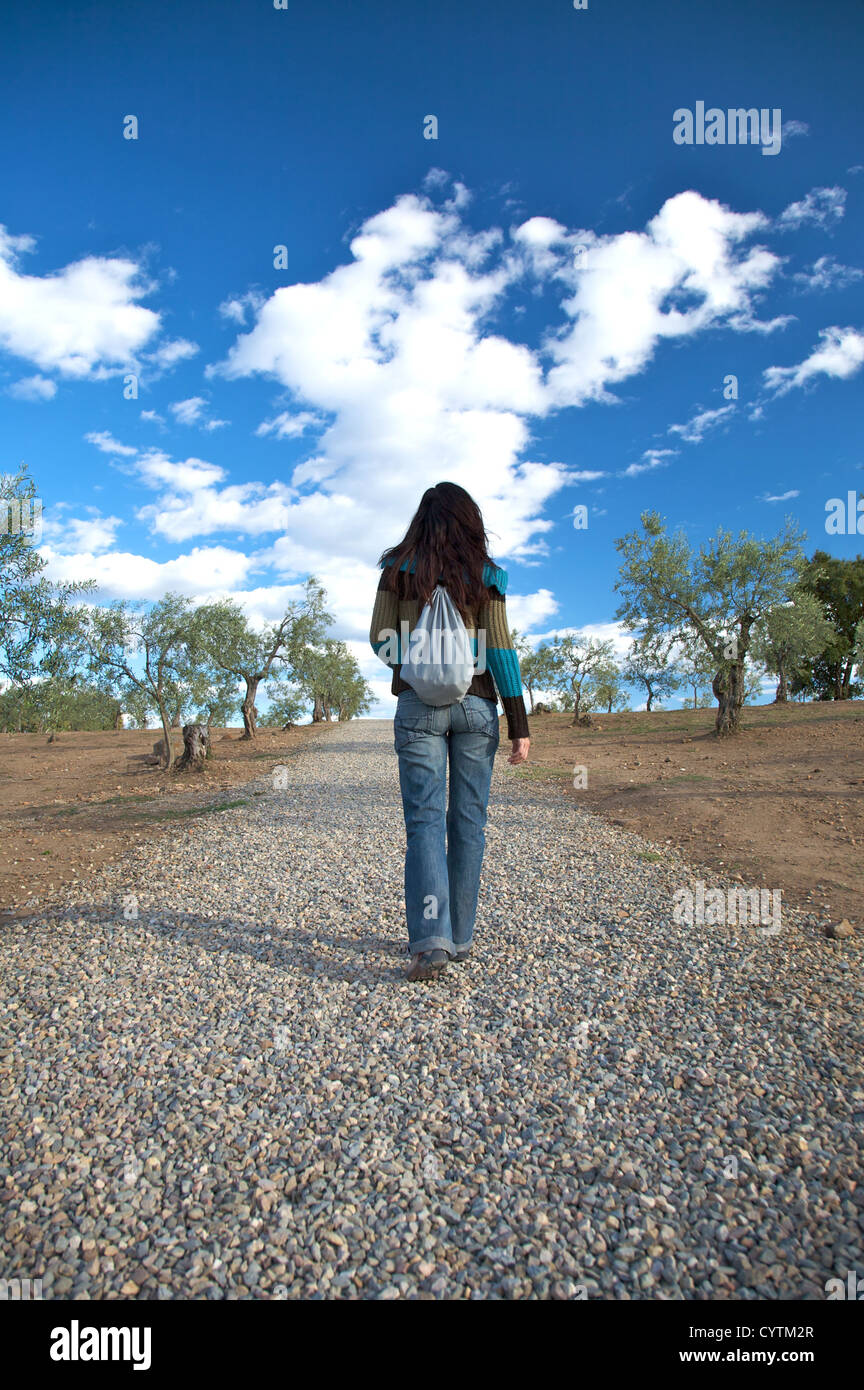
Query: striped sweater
column 502, row 678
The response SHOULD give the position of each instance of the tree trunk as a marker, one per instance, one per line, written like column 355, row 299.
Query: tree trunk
column 650, row 700
column 782, row 694
column 577, row 695
column 168, row 753
column 728, row 686
column 248, row 710
column 530, row 697
column 196, row 747
column 317, row 710
column 118, row 718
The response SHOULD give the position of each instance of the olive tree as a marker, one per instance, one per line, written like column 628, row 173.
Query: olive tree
column 40, row 622
column 286, row 704
column 227, row 641
column 789, row 635
column 608, row 687
column 144, row 653
column 649, row 665
column 717, row 594
column 695, row 667
column 537, row 667
column 576, row 662
column 330, row 677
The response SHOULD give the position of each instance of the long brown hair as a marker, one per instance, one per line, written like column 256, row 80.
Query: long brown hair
column 447, row 542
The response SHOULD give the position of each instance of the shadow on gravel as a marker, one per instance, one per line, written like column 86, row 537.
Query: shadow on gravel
column 373, row 958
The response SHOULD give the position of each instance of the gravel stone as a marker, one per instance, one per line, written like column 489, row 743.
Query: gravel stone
column 234, row 1093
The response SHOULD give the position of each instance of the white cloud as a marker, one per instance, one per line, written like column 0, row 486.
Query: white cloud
column 822, row 206
column 244, row 508
column 237, row 308
column 527, row 611
column 393, row 348
column 827, row 274
column 33, row 388
column 631, row 291
column 790, row 129
column 81, row 321
column 201, row 572
column 780, row 496
column 396, row 350
column 191, row 475
column 153, row 416
column 107, row 444
column 289, row 426
column 615, row 633
column 169, row 354
column 542, row 241
column 695, row 430
column 191, row 412
column 651, row 458
column 839, row 355
column 92, row 534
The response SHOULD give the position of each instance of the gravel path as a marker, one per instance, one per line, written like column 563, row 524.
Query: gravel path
column 236, row 1095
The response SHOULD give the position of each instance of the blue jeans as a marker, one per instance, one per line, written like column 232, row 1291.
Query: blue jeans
column 442, row 876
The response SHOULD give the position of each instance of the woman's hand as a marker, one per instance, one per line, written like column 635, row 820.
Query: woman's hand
column 519, row 753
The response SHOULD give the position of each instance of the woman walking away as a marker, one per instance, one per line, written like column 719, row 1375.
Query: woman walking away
column 446, row 544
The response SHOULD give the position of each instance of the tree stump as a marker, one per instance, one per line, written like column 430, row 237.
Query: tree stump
column 196, row 747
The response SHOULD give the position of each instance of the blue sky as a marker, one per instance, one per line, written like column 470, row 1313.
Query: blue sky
column 543, row 303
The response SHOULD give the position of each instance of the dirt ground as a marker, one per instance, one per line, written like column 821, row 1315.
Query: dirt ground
column 68, row 806
column 781, row 805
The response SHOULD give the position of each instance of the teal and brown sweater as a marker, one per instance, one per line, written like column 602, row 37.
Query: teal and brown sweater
column 502, row 678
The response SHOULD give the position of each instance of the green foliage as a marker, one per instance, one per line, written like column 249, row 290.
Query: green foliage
column 537, row 667
column 39, row 622
column 575, row 665
column 57, row 704
column 286, row 706
column 227, row 643
column 716, row 595
column 145, row 650
column 648, row 664
column 329, row 676
column 839, row 587
column 695, row 669
column 608, row 688
column 791, row 634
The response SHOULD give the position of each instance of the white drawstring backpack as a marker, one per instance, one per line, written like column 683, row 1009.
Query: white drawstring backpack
column 439, row 665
